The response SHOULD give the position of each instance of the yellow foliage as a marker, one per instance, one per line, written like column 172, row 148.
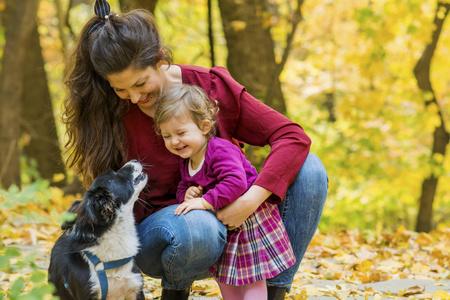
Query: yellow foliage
column 441, row 295
column 301, row 296
column 238, row 25
column 58, row 177
column 424, row 239
column 364, row 266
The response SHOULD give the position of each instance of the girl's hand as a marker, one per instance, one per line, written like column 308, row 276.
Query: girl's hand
column 195, row 203
column 235, row 213
column 193, row 192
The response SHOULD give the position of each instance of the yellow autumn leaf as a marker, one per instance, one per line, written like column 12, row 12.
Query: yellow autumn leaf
column 364, row 266
column 424, row 239
column 412, row 291
column 301, row 296
column 420, row 268
column 439, row 254
column 441, row 295
column 58, row 177
column 267, row 20
column 238, row 25
column 442, row 12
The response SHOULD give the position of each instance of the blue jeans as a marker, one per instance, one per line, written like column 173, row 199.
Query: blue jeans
column 301, row 211
column 181, row 249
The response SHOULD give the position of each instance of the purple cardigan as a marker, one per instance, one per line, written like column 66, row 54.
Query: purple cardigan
column 225, row 175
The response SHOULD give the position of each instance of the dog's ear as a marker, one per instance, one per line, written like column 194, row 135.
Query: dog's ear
column 101, row 207
column 94, row 215
column 73, row 208
column 69, row 224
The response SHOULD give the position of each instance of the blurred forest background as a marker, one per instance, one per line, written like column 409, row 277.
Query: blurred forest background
column 368, row 81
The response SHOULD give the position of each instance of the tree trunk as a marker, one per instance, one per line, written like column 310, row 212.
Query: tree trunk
column 127, row 5
column 251, row 58
column 211, row 34
column 18, row 30
column 61, row 16
column 440, row 135
column 37, row 117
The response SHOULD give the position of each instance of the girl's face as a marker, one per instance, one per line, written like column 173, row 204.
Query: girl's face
column 184, row 138
column 141, row 87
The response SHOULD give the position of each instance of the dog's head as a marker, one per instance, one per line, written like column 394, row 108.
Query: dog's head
column 110, row 193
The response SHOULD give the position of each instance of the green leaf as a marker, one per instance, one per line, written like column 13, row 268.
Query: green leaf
column 17, row 288
column 12, row 252
column 3, row 261
column 13, row 189
column 38, row 277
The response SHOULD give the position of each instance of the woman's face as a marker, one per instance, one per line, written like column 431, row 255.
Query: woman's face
column 141, row 87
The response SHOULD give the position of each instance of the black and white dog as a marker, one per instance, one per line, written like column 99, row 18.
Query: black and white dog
column 93, row 258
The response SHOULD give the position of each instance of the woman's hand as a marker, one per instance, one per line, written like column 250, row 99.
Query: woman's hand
column 234, row 214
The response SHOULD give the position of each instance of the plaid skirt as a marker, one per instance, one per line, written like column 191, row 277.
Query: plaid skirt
column 259, row 249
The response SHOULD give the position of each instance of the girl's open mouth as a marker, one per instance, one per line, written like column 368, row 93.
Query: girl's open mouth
column 181, row 149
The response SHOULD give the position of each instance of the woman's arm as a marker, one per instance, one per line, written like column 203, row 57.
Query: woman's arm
column 243, row 117
column 260, row 125
column 247, row 119
column 234, row 214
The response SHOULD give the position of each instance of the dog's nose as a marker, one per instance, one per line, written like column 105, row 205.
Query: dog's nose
column 134, row 160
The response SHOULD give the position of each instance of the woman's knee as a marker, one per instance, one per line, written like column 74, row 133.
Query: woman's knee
column 185, row 244
column 202, row 240
column 313, row 168
column 312, row 177
column 193, row 251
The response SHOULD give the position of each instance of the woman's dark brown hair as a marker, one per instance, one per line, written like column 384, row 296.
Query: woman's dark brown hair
column 93, row 113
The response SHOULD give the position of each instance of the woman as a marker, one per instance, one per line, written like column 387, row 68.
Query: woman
column 115, row 76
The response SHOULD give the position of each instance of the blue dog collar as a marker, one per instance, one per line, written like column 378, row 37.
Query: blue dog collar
column 106, row 266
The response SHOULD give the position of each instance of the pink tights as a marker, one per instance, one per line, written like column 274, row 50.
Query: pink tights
column 252, row 291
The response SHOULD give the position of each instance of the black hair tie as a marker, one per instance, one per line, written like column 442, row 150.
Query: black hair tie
column 102, row 9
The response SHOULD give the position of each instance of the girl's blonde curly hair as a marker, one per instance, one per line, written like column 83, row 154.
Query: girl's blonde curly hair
column 188, row 99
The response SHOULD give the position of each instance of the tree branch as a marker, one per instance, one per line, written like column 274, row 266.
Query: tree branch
column 296, row 19
column 422, row 68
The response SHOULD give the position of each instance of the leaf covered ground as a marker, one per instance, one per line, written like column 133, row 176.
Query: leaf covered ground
column 29, row 230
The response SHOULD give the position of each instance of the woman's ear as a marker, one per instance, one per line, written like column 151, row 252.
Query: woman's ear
column 159, row 63
column 205, row 126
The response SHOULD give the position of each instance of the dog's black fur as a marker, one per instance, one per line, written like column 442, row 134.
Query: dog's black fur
column 105, row 212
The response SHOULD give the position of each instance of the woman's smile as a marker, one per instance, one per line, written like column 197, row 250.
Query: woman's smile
column 147, row 99
column 140, row 86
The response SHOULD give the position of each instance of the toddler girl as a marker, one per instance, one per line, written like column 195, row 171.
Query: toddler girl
column 214, row 173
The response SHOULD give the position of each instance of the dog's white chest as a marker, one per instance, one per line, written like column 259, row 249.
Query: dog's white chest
column 122, row 282
column 119, row 242
column 124, row 287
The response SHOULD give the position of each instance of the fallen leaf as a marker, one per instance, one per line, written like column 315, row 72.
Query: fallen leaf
column 412, row 291
column 441, row 295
